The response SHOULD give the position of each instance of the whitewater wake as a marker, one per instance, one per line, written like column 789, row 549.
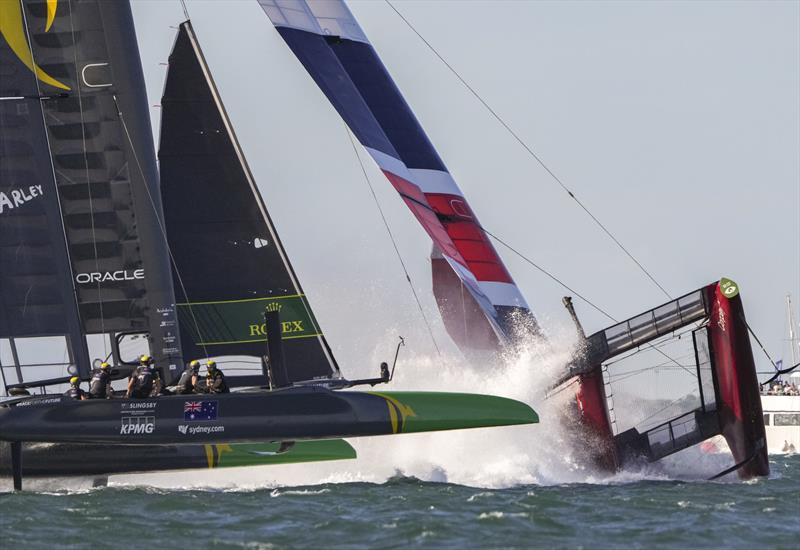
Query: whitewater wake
column 538, row 454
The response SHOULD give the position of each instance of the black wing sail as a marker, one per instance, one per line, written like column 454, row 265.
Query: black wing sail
column 87, row 71
column 36, row 291
column 230, row 266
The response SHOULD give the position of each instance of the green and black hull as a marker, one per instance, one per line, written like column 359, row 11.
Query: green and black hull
column 68, row 459
column 65, row 437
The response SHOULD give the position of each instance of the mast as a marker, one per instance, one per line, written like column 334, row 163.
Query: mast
column 793, row 341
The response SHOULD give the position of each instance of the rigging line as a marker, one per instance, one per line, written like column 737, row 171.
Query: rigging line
column 780, row 373
column 185, row 10
column 553, row 277
column 531, row 262
column 659, row 411
column 531, row 152
column 550, row 275
column 160, row 226
column 518, row 253
column 394, row 243
column 752, row 332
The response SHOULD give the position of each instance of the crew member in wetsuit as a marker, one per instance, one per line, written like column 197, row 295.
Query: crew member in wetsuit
column 215, row 380
column 144, row 381
column 100, row 384
column 75, row 391
column 187, row 383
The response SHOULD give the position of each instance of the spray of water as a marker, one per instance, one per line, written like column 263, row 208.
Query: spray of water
column 543, row 454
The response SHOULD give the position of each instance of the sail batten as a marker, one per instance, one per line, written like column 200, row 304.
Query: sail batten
column 478, row 293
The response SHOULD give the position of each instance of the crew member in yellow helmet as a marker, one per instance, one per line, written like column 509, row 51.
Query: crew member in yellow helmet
column 75, row 391
column 100, row 383
column 187, row 383
column 144, row 381
column 215, row 380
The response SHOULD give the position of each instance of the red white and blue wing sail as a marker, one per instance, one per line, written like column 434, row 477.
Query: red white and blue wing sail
column 479, row 302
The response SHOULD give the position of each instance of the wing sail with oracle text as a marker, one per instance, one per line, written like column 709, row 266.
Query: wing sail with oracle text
column 230, row 266
column 480, row 304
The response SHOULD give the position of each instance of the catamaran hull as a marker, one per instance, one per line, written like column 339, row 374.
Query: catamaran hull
column 66, row 459
column 286, row 415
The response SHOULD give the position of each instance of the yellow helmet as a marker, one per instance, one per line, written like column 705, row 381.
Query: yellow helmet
column 145, row 359
column 74, row 380
column 211, row 364
column 104, row 365
column 194, row 363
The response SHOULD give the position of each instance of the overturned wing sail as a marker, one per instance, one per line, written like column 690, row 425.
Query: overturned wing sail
column 230, row 266
column 478, row 299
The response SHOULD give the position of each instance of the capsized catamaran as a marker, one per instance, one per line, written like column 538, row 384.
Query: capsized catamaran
column 480, row 304
column 88, row 257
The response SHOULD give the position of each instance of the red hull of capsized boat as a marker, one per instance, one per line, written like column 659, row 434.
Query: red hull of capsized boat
column 740, row 414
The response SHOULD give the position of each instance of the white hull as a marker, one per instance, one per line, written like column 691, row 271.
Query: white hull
column 782, row 422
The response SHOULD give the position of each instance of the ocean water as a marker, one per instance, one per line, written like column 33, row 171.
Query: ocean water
column 514, row 487
column 640, row 513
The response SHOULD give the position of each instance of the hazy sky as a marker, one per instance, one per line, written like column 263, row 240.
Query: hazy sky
column 676, row 123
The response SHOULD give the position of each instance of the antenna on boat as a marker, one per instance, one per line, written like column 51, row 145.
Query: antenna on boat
column 793, row 343
column 385, row 368
column 567, row 301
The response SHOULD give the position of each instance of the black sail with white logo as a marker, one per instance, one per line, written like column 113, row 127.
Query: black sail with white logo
column 36, row 289
column 93, row 249
column 230, row 265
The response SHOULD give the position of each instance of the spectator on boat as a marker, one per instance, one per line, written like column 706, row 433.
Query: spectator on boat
column 187, row 383
column 144, row 381
column 75, row 391
column 100, row 384
column 215, row 380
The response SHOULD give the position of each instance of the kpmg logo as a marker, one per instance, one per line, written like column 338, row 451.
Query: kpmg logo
column 135, row 425
column 109, row 276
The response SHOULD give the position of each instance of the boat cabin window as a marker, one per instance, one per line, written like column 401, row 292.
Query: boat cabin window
column 787, row 419
column 132, row 346
column 766, row 420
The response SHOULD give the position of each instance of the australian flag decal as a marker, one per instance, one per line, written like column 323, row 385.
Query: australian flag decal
column 197, row 411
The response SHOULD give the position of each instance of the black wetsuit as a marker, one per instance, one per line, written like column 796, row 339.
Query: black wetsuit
column 98, row 385
column 185, row 385
column 74, row 392
column 215, row 382
column 144, row 377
